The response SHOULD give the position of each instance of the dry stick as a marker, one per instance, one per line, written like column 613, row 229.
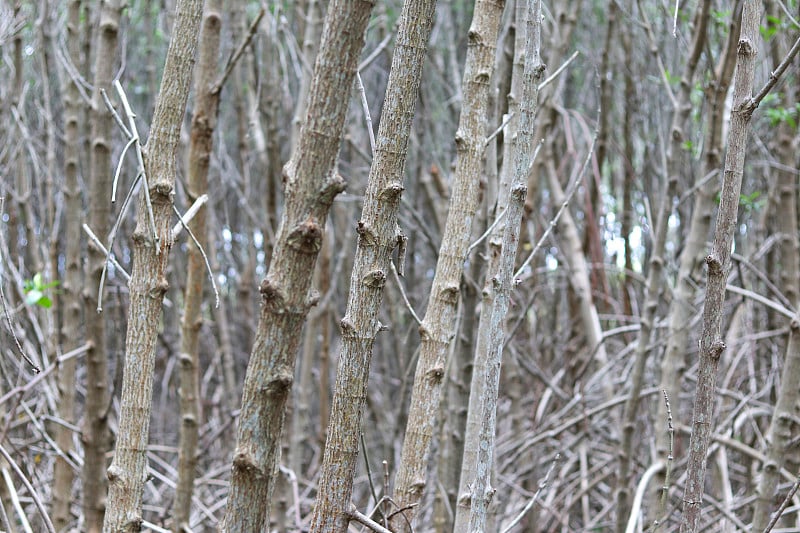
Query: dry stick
column 232, row 60
column 570, row 193
column 668, row 464
column 649, row 474
column 542, row 85
column 542, row 486
column 783, row 505
column 367, row 521
column 3, row 516
column 103, row 249
column 182, row 222
column 367, row 116
column 403, row 293
column 125, row 205
column 14, row 496
column 34, row 496
column 140, row 159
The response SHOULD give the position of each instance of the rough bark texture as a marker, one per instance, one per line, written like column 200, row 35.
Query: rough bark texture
column 379, row 234
column 204, row 121
column 718, row 262
column 438, row 325
column 311, row 185
column 480, row 492
column 128, row 471
column 72, row 326
column 95, row 433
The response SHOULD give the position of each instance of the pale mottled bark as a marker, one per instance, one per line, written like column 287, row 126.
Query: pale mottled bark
column 438, row 325
column 718, row 262
column 128, row 471
column 475, row 491
column 311, row 185
column 379, row 235
column 95, row 432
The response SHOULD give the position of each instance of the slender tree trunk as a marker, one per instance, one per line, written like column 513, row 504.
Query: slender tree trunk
column 73, row 279
column 379, row 234
column 480, row 492
column 311, row 185
column 718, row 262
column 438, row 325
column 128, row 471
column 204, row 122
column 95, row 432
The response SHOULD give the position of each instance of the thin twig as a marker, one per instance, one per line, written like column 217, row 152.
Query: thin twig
column 775, row 76
column 506, row 119
column 783, row 505
column 14, row 497
column 118, row 171
column 202, row 252
column 99, row 244
column 31, row 492
column 636, row 507
column 542, row 486
column 375, row 53
column 403, row 293
column 369, row 473
column 117, row 118
column 140, row 159
column 366, row 521
column 558, row 71
column 188, row 216
column 487, row 232
column 238, row 52
column 367, row 116
column 675, row 20
column 125, row 204
column 668, row 464
column 570, row 193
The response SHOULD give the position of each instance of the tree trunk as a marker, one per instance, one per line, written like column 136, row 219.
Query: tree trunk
column 379, row 234
column 438, row 325
column 311, row 185
column 72, row 326
column 718, row 262
column 95, row 435
column 204, row 122
column 475, row 489
column 148, row 284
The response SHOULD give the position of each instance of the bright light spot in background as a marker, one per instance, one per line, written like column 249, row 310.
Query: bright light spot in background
column 258, row 240
column 227, row 235
column 550, row 260
column 673, row 221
